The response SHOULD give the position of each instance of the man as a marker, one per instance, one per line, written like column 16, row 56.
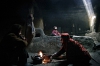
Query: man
column 55, row 32
column 76, row 54
column 13, row 48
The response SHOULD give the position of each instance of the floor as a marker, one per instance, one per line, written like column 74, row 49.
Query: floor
column 94, row 62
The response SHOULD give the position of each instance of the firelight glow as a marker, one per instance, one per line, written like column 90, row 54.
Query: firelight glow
column 90, row 12
column 40, row 53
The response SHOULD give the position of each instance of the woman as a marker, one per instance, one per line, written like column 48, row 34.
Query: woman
column 76, row 54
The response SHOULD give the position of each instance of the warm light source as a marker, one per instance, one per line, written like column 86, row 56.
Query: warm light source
column 40, row 54
column 45, row 58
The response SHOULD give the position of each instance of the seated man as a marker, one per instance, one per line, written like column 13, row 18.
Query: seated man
column 76, row 54
column 13, row 48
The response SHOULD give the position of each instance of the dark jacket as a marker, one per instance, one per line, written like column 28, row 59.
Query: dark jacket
column 12, row 46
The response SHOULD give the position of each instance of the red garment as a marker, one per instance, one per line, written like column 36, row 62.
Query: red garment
column 56, row 33
column 75, row 52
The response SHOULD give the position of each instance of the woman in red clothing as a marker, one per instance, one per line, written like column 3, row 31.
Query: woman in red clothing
column 75, row 52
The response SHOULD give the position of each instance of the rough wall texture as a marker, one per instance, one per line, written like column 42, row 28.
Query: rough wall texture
column 39, row 23
column 95, row 36
column 51, row 44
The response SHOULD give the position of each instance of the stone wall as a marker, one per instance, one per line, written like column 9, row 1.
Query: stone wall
column 51, row 44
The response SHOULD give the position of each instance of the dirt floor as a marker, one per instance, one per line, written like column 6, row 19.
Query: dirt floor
column 95, row 55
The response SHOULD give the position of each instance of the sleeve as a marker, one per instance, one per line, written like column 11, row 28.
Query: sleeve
column 61, row 51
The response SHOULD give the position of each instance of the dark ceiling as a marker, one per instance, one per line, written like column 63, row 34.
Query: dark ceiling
column 52, row 11
column 56, row 11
